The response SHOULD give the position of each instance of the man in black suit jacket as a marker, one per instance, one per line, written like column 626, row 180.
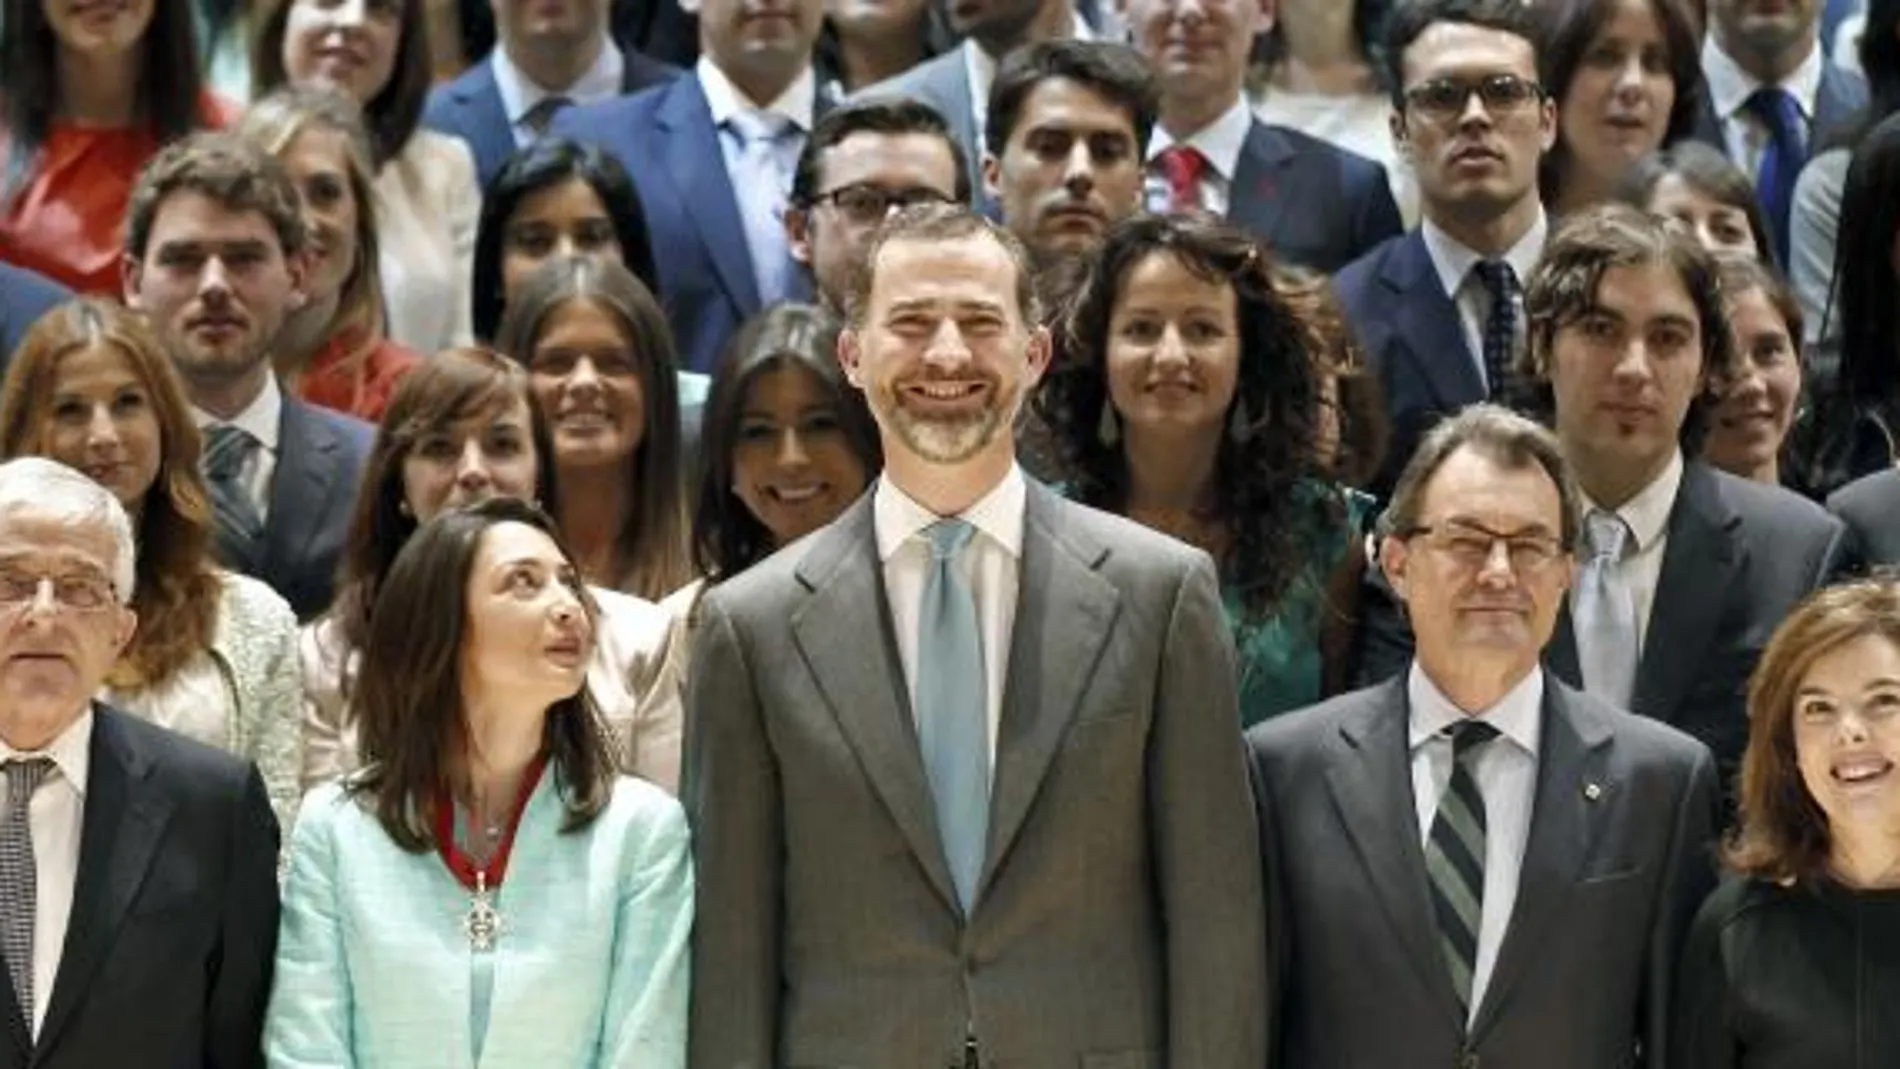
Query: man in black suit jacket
column 1423, row 305
column 1313, row 204
column 1627, row 339
column 546, row 57
column 24, row 297
column 1474, row 864
column 1870, row 507
column 138, row 887
column 215, row 254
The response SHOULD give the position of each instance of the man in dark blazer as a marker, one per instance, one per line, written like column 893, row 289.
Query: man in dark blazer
column 1628, row 337
column 1438, row 311
column 1870, row 507
column 138, row 869
column 1313, row 204
column 1474, row 864
column 546, row 57
column 215, row 255
column 1012, row 829
column 24, row 297
column 720, row 259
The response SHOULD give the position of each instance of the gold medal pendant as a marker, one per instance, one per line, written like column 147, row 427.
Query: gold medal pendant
column 483, row 924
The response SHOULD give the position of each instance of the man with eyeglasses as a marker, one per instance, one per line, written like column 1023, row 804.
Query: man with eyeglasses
column 1438, row 311
column 1482, row 865
column 864, row 160
column 138, row 869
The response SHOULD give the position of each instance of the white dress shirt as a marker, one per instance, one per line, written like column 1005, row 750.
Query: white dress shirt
column 56, row 816
column 262, row 419
column 1506, row 775
column 1647, row 515
column 1743, row 135
column 1221, row 141
column 990, row 562
column 520, row 93
column 980, row 67
column 1457, row 266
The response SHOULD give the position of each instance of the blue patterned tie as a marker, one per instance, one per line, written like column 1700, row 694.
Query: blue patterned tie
column 762, row 182
column 239, row 526
column 1500, row 324
column 1603, row 612
column 19, row 878
column 952, row 711
column 1781, row 159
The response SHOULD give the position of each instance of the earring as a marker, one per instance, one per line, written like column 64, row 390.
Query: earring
column 1240, row 423
column 1108, row 430
column 402, row 509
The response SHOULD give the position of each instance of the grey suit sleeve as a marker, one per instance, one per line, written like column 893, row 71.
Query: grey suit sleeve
column 1206, row 844
column 730, row 787
column 234, row 1011
column 1685, row 885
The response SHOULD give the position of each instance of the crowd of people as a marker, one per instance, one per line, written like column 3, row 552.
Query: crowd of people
column 1326, row 534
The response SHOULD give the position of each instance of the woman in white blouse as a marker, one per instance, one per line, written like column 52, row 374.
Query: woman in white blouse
column 427, row 195
column 461, row 429
column 215, row 654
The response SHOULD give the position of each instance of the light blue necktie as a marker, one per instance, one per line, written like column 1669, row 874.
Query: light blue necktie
column 952, row 715
column 762, row 183
column 1603, row 612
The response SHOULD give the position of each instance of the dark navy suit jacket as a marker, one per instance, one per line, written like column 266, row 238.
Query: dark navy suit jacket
column 1842, row 93
column 25, row 296
column 470, row 108
column 1314, row 204
column 666, row 139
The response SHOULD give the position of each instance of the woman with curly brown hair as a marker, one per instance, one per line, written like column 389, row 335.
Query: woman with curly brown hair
column 1188, row 399
column 215, row 653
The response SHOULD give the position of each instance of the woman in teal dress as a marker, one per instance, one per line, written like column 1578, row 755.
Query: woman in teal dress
column 486, row 890
column 1188, row 398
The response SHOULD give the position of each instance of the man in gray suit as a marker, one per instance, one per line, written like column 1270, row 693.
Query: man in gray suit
column 1474, row 864
column 964, row 768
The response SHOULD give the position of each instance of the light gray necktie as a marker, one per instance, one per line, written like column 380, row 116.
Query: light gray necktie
column 952, row 711
column 238, row 526
column 19, row 878
column 1603, row 612
column 761, row 180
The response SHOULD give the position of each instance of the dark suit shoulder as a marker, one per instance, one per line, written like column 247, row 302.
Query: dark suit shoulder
column 476, row 78
column 1119, row 534
column 1642, row 739
column 1355, row 280
column 1303, row 730
column 1868, row 500
column 186, row 766
column 1774, row 515
column 355, row 435
column 1350, row 164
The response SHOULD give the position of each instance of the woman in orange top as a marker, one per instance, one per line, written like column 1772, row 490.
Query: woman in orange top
column 88, row 92
column 333, row 351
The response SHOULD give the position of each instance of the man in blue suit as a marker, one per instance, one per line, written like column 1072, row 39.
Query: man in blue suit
column 1772, row 94
column 713, row 153
column 1312, row 203
column 1439, row 311
column 549, row 54
column 215, row 255
column 25, row 296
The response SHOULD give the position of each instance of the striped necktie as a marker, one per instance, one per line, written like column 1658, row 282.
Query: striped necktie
column 1454, row 858
column 19, row 878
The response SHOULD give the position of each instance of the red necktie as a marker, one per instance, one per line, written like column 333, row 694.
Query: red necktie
column 1183, row 165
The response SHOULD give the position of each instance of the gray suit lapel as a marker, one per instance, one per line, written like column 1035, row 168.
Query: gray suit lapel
column 1371, row 783
column 1564, row 830
column 844, row 632
column 1064, row 613
column 1698, row 566
column 299, row 487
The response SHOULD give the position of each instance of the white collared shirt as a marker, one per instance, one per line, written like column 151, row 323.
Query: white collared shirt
column 263, row 420
column 979, row 67
column 1743, row 135
column 991, row 563
column 1506, row 775
column 520, row 93
column 56, row 816
column 1647, row 515
column 1457, row 267
column 1221, row 141
column 796, row 103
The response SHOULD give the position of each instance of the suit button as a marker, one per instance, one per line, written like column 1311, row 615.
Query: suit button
column 1467, row 1059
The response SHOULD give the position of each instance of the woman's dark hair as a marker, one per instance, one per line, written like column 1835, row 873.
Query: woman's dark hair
column 727, row 537
column 392, row 115
column 446, row 390
column 1365, row 428
column 1880, row 66
column 1866, row 298
column 1260, row 461
column 550, row 162
column 171, row 85
column 651, row 549
column 413, row 723
column 1704, row 169
column 1566, row 29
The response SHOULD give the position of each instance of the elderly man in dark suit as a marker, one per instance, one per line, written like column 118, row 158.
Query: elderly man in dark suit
column 1474, row 864
column 138, row 869
column 1687, row 570
column 1313, row 204
column 964, row 767
column 24, row 297
column 1439, row 311
column 215, row 254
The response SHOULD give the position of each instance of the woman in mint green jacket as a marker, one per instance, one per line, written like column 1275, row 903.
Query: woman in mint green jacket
column 486, row 890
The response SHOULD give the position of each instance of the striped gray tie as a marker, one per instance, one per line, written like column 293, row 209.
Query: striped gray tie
column 19, row 879
column 1454, row 858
